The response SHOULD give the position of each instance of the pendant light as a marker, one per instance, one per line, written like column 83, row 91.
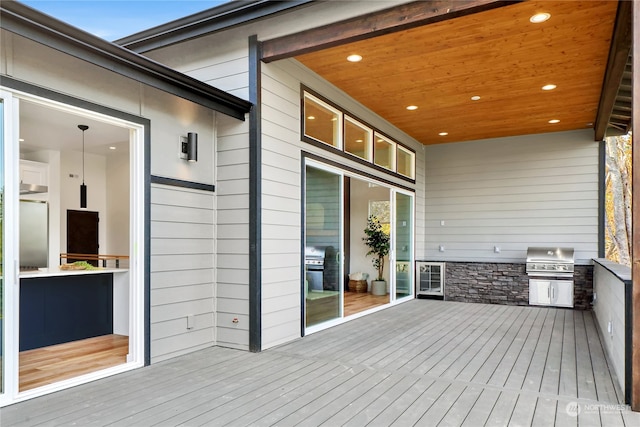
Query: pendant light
column 83, row 188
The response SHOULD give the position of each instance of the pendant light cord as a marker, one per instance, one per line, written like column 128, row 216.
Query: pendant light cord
column 83, row 156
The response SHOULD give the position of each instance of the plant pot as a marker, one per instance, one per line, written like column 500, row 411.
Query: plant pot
column 378, row 287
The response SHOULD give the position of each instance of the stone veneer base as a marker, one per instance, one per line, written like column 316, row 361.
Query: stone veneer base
column 506, row 283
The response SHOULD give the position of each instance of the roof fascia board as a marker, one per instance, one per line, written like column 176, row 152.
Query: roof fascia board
column 43, row 29
column 618, row 58
column 209, row 21
column 398, row 18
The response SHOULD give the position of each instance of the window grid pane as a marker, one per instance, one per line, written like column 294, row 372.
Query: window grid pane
column 322, row 122
column 357, row 139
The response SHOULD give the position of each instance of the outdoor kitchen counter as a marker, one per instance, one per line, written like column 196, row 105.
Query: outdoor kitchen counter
column 58, row 306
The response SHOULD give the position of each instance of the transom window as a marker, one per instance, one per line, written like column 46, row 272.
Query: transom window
column 329, row 125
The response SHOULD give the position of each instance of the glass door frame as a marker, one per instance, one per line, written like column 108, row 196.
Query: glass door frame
column 394, row 243
column 137, row 246
column 329, row 169
column 393, row 190
column 10, row 245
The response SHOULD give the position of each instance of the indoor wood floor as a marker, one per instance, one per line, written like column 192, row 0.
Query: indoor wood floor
column 423, row 362
column 357, row 302
column 48, row 365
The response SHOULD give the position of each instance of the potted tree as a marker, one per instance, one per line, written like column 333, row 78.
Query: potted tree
column 378, row 242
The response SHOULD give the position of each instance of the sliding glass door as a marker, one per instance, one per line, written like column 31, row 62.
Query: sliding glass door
column 338, row 265
column 323, row 246
column 403, row 244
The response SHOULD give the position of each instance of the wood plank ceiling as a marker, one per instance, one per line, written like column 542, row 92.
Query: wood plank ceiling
column 498, row 55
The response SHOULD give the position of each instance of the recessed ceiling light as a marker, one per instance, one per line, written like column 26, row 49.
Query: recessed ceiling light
column 112, row 148
column 358, row 140
column 443, row 133
column 412, row 107
column 540, row 17
column 475, row 98
column 354, row 58
column 21, row 139
column 549, row 87
column 590, row 124
column 554, row 121
column 311, row 117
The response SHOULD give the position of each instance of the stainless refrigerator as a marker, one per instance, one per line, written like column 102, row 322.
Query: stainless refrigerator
column 34, row 234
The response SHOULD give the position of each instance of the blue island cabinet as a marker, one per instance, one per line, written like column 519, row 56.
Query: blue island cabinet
column 59, row 309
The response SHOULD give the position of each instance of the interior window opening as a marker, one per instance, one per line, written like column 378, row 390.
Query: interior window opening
column 77, row 294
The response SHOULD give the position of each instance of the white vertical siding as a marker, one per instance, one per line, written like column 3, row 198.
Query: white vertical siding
column 232, row 239
column 182, row 270
column 534, row 190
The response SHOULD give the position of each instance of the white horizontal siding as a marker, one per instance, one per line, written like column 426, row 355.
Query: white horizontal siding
column 281, row 190
column 535, row 190
column 182, row 270
column 232, row 226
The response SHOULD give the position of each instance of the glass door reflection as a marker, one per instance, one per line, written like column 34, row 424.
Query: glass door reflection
column 323, row 246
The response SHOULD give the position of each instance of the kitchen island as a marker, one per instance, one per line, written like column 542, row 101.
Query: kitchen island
column 58, row 306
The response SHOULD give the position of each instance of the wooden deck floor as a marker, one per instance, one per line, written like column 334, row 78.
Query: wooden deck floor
column 424, row 362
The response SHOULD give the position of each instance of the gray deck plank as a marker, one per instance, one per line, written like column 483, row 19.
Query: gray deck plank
column 417, row 359
column 545, row 413
column 521, row 366
column 504, row 368
column 533, row 378
column 126, row 406
column 306, row 407
column 379, row 402
column 481, row 410
column 502, row 409
column 491, row 363
column 307, row 391
column 480, row 357
column 586, row 381
column 551, row 377
column 524, row 411
column 566, row 417
column 442, row 405
column 568, row 384
column 385, row 387
column 421, row 404
column 427, row 343
column 463, row 359
column 187, row 405
column 613, row 419
column 497, row 354
column 456, row 355
column 460, row 408
column 118, row 392
column 399, row 406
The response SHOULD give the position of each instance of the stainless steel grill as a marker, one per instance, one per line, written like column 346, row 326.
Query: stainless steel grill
column 550, row 262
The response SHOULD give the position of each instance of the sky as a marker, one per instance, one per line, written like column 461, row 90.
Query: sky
column 114, row 19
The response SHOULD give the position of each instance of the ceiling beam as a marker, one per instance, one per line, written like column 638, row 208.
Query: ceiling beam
column 399, row 18
column 616, row 64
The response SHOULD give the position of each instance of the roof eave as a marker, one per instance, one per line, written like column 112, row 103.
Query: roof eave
column 29, row 23
column 219, row 18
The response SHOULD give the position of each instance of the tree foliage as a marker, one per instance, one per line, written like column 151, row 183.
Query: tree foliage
column 618, row 238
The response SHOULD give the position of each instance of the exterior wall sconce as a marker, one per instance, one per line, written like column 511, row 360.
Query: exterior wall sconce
column 189, row 147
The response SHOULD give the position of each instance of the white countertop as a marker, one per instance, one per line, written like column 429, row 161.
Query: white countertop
column 55, row 271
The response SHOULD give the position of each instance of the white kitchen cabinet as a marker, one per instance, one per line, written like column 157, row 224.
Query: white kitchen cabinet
column 556, row 293
column 34, row 172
